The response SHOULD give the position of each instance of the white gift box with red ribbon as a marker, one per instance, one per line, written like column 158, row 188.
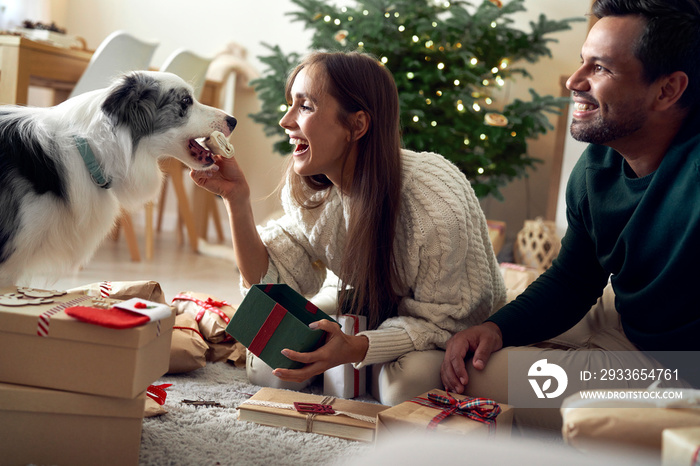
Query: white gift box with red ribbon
column 345, row 381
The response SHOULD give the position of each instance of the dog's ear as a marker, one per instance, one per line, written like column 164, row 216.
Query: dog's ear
column 132, row 101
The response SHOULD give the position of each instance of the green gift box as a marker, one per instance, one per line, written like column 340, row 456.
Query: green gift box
column 273, row 317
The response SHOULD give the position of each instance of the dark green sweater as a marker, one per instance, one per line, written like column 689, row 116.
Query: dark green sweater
column 642, row 233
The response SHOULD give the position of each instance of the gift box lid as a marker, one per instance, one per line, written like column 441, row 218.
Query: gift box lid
column 41, row 400
column 273, row 317
column 46, row 317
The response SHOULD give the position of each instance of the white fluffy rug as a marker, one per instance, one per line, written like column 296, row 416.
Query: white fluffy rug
column 189, row 435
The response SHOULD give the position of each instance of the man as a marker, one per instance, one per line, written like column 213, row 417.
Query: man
column 632, row 199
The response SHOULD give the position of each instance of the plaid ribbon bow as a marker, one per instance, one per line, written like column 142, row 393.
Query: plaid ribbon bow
column 482, row 410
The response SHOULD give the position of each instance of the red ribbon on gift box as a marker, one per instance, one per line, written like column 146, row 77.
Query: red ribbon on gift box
column 482, row 410
column 267, row 329
column 208, row 305
column 157, row 392
column 42, row 328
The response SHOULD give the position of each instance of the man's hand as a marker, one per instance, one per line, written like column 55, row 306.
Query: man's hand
column 482, row 339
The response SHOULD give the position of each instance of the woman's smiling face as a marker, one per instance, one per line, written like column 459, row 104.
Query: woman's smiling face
column 320, row 140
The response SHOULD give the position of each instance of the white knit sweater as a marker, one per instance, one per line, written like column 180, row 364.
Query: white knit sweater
column 445, row 259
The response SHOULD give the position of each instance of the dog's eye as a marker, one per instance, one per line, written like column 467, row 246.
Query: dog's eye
column 186, row 101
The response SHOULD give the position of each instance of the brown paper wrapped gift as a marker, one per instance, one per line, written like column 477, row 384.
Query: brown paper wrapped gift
column 680, row 446
column 352, row 420
column 212, row 314
column 41, row 426
column 144, row 289
column 188, row 348
column 230, row 351
column 411, row 416
column 41, row 346
column 587, row 424
column 517, row 278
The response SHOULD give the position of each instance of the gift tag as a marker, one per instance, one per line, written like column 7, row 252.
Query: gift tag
column 154, row 311
column 313, row 408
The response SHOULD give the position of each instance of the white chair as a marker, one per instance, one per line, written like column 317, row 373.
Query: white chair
column 193, row 69
column 190, row 67
column 120, row 52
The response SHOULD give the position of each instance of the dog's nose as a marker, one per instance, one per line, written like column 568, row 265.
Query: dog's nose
column 231, row 122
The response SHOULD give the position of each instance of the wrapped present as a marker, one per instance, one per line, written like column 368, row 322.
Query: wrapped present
column 681, row 446
column 42, row 346
column 144, row 289
column 273, row 317
column 188, row 348
column 444, row 412
column 345, row 381
column 230, row 351
column 497, row 234
column 637, row 420
column 517, row 278
column 42, row 426
column 211, row 314
column 320, row 414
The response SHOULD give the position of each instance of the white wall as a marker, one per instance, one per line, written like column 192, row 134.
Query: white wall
column 206, row 26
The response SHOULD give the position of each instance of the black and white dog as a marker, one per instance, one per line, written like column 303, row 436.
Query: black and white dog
column 65, row 171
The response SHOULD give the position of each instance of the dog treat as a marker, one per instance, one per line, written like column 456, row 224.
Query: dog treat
column 218, row 144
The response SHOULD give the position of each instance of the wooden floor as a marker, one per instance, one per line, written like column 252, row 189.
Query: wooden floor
column 174, row 266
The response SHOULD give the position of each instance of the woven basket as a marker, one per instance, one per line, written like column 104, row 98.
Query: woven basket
column 537, row 244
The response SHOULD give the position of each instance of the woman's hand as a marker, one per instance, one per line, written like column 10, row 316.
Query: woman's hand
column 225, row 179
column 338, row 349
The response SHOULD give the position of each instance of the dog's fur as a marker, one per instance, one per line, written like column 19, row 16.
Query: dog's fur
column 53, row 216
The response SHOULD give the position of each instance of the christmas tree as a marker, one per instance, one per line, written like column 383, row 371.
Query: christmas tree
column 449, row 59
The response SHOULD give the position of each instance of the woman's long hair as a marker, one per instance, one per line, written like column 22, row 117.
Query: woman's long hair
column 369, row 277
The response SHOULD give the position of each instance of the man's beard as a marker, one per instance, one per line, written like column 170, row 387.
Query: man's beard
column 602, row 131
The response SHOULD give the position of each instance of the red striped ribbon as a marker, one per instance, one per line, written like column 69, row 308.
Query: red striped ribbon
column 42, row 328
column 267, row 329
column 105, row 289
column 482, row 410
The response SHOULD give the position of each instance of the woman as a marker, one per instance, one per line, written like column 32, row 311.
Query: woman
column 403, row 231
